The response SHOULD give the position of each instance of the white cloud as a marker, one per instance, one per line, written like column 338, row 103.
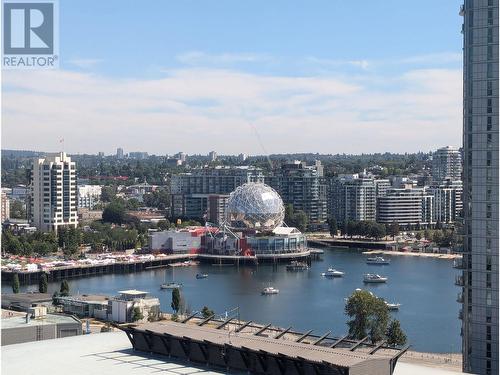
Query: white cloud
column 199, row 58
column 197, row 110
column 84, row 63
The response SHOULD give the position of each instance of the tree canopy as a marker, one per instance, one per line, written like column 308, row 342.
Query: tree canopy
column 369, row 316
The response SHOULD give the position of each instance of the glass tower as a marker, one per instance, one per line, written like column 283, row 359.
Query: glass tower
column 479, row 280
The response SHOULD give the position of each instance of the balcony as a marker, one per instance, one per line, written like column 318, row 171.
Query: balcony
column 460, row 298
column 459, row 281
column 461, row 12
column 459, row 264
column 460, row 314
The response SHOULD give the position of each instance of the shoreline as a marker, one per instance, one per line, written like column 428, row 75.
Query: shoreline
column 412, row 254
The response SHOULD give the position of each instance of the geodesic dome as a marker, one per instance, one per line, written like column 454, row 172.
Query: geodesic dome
column 254, row 205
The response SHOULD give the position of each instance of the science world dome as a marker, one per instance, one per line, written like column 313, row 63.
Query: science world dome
column 256, row 206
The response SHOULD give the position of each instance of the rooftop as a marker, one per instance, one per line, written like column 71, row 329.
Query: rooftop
column 27, row 297
column 132, row 292
column 104, row 353
column 20, row 321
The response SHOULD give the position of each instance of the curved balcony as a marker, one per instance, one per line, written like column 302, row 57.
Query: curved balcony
column 459, row 281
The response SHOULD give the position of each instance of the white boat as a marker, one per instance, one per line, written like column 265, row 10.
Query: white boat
column 332, row 272
column 392, row 306
column 372, row 278
column 377, row 260
column 270, row 290
column 201, row 275
column 171, row 285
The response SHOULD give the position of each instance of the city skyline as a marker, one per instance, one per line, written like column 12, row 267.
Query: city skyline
column 251, row 88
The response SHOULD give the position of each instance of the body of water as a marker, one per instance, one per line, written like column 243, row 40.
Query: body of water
column 424, row 287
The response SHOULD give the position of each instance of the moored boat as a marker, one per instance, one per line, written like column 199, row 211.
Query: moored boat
column 392, row 306
column 201, row 275
column 297, row 266
column 371, row 278
column 332, row 272
column 171, row 285
column 377, row 260
column 270, row 290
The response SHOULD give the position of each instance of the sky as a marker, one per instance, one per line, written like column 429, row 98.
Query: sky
column 252, row 77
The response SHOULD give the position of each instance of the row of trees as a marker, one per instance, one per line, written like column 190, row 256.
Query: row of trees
column 370, row 229
column 42, row 286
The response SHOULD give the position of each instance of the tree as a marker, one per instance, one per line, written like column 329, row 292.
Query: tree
column 114, row 213
column 369, row 314
column 393, row 229
column 395, row 335
column 17, row 209
column 64, row 290
column 332, row 226
column 107, row 194
column 137, row 314
column 15, row 283
column 418, row 236
column 297, row 219
column 42, row 283
column 163, row 225
column 176, row 300
column 206, row 312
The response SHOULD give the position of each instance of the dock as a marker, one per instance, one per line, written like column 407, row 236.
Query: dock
column 70, row 272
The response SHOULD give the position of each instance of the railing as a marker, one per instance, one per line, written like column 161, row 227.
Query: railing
column 459, row 281
column 459, row 264
column 461, row 12
column 460, row 314
column 460, row 297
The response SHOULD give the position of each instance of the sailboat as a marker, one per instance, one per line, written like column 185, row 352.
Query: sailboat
column 172, row 284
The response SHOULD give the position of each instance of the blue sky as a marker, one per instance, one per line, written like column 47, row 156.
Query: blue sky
column 310, row 76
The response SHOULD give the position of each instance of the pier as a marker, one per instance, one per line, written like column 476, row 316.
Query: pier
column 71, row 272
column 350, row 243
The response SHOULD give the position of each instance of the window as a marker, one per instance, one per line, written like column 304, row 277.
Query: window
column 488, row 123
column 488, row 265
column 488, row 332
column 488, row 280
column 490, row 17
column 489, row 88
column 488, row 159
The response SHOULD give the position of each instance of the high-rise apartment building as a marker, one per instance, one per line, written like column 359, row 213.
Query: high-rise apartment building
column 119, row 153
column 352, row 198
column 53, row 199
column 479, row 280
column 212, row 156
column 5, row 207
column 304, row 187
column 447, row 164
column 409, row 207
column 190, row 192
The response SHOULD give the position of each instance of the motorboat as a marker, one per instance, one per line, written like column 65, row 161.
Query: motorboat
column 377, row 260
column 392, row 306
column 270, row 290
column 171, row 285
column 297, row 266
column 332, row 272
column 201, row 275
column 372, row 278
